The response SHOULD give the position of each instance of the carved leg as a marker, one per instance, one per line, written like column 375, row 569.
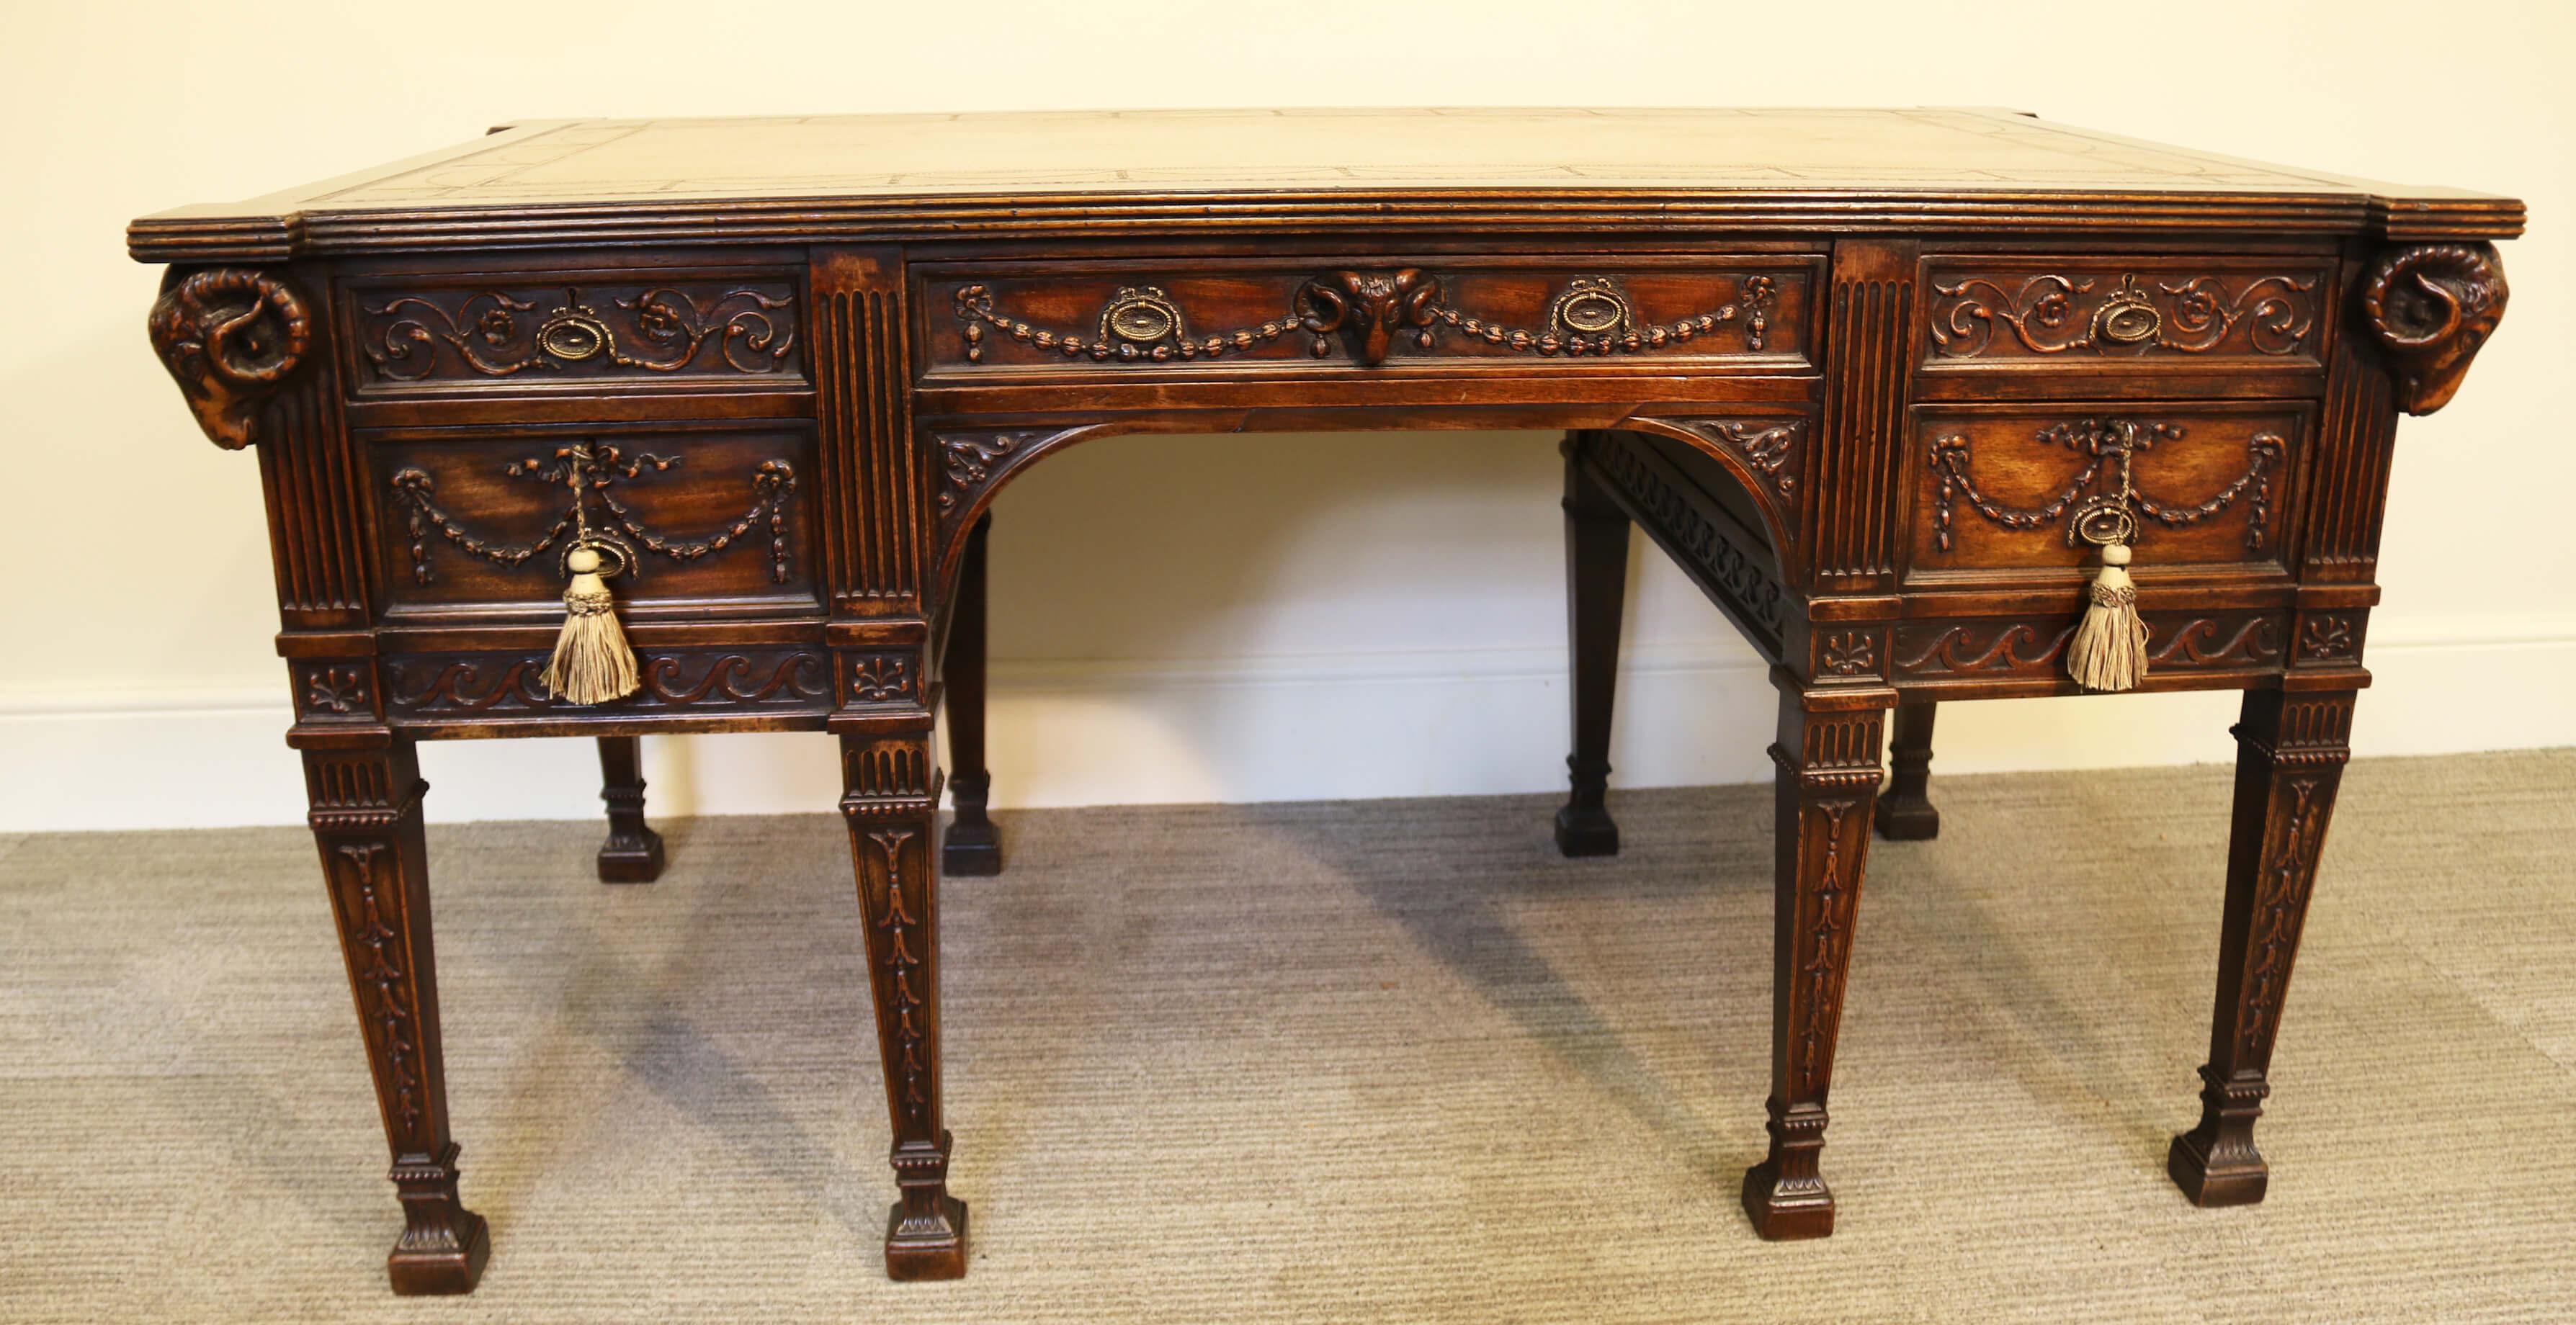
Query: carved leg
column 891, row 799
column 1828, row 776
column 2290, row 752
column 973, row 846
column 1905, row 814
column 633, row 852
column 366, row 820
column 1596, row 583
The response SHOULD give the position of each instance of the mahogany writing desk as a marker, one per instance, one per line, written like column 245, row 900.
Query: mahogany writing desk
column 1892, row 387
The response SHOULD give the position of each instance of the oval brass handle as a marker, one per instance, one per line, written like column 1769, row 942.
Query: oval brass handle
column 2127, row 318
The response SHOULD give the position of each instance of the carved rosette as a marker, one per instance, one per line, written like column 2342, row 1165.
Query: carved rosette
column 2431, row 309
column 229, row 337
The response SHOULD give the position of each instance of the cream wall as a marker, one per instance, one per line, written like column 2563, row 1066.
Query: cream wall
column 1200, row 618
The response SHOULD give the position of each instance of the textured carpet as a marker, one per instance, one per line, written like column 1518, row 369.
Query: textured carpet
column 1371, row 1061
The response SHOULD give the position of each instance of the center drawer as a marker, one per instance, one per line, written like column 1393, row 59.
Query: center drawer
column 1214, row 316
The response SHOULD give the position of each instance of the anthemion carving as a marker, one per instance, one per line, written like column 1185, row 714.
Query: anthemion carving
column 590, row 471
column 878, row 677
column 1369, row 310
column 334, row 689
column 229, row 337
column 2431, row 309
column 658, row 330
column 2110, row 517
column 2054, row 314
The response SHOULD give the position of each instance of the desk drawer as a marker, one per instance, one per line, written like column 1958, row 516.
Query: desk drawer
column 1999, row 489
column 472, row 523
column 523, row 331
column 1211, row 316
column 2048, row 315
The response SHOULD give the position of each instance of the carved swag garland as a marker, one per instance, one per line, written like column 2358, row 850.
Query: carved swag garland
column 2109, row 648
column 1369, row 310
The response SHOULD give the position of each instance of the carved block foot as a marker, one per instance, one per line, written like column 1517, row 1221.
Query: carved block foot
column 1907, row 819
column 2236, row 1177
column 631, row 859
column 1584, row 831
column 443, row 1263
column 1787, row 1211
column 971, row 849
column 927, row 1248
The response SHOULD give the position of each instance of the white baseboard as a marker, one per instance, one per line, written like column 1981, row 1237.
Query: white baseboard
column 1461, row 722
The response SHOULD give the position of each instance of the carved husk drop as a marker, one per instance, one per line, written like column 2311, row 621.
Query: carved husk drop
column 2109, row 651
column 592, row 663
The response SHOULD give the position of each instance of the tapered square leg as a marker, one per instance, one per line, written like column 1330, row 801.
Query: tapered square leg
column 1827, row 752
column 890, row 798
column 1596, row 586
column 633, row 852
column 2290, row 753
column 365, row 813
column 1905, row 812
column 972, row 845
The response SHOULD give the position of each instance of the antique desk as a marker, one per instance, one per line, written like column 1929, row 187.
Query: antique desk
column 1896, row 388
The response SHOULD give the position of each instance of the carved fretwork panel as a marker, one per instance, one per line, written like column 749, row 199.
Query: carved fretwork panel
column 714, row 514
column 1853, row 471
column 2071, row 313
column 876, row 521
column 1724, row 556
column 1768, row 455
column 709, row 330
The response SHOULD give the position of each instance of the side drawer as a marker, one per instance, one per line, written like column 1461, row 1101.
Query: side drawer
column 1213, row 315
column 451, row 334
column 471, row 524
column 2042, row 315
column 2202, row 486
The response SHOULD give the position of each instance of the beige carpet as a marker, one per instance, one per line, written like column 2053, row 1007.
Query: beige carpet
column 1376, row 1061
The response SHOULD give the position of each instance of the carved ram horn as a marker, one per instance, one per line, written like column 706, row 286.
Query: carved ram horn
column 1368, row 308
column 229, row 337
column 2431, row 308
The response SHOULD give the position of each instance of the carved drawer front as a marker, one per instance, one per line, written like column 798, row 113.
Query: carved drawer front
column 2053, row 315
column 2026, row 489
column 717, row 520
column 1210, row 316
column 525, row 331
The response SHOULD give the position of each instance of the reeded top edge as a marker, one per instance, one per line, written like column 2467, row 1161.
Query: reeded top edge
column 897, row 176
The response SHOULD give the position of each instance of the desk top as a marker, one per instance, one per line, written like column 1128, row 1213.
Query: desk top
column 568, row 181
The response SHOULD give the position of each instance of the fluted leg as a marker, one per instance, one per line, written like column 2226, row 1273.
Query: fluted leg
column 973, row 845
column 365, row 806
column 1905, row 812
column 633, row 852
column 1596, row 582
column 1827, row 752
column 891, row 799
column 2290, row 752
